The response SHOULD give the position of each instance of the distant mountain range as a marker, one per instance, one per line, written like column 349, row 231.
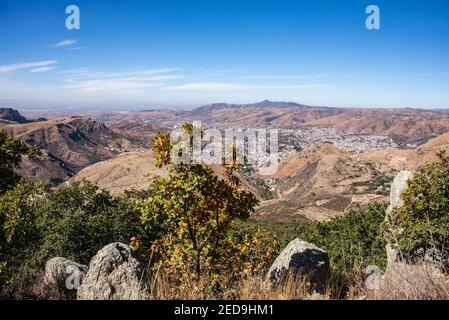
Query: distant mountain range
column 8, row 114
column 441, row 110
column 73, row 143
column 68, row 145
column 319, row 182
column 266, row 104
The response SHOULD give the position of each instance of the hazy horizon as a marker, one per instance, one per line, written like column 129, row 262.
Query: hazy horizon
column 179, row 55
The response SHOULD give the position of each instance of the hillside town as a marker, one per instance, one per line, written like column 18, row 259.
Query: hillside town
column 299, row 139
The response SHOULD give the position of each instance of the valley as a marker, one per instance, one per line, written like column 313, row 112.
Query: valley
column 331, row 159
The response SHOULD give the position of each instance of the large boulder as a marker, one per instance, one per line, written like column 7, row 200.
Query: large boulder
column 114, row 274
column 398, row 186
column 301, row 259
column 63, row 277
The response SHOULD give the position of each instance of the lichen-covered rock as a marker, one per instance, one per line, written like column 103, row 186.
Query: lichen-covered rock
column 63, row 276
column 398, row 186
column 114, row 274
column 301, row 259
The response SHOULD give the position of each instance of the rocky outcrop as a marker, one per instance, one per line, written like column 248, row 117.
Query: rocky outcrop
column 410, row 279
column 63, row 276
column 12, row 115
column 398, row 186
column 114, row 274
column 301, row 259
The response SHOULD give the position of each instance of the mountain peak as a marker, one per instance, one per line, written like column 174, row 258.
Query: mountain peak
column 12, row 115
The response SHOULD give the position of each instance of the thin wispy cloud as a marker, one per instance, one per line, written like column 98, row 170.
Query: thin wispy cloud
column 89, row 72
column 42, row 69
column 134, row 73
column 212, row 86
column 77, row 71
column 111, row 85
column 299, row 76
column 75, row 48
column 87, row 80
column 63, row 43
column 26, row 65
column 155, row 78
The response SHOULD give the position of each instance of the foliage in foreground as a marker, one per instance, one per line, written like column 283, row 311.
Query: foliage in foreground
column 74, row 222
column 11, row 152
column 353, row 241
column 421, row 226
column 197, row 211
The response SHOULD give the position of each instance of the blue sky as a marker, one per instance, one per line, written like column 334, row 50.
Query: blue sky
column 129, row 54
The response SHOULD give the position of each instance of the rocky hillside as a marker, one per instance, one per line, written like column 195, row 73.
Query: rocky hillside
column 131, row 170
column 322, row 181
column 405, row 126
column 134, row 170
column 68, row 145
column 11, row 115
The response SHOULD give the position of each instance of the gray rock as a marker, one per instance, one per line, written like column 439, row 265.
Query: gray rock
column 398, row 186
column 301, row 259
column 114, row 274
column 63, row 276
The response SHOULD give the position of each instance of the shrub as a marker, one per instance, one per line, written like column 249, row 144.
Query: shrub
column 74, row 222
column 353, row 241
column 11, row 152
column 19, row 235
column 195, row 211
column 421, row 226
column 78, row 220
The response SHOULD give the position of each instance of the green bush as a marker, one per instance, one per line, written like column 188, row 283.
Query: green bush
column 421, row 225
column 353, row 241
column 74, row 222
column 19, row 235
column 78, row 220
column 11, row 152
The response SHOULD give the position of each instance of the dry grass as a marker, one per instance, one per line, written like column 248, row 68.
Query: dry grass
column 253, row 287
column 400, row 282
column 421, row 281
column 256, row 288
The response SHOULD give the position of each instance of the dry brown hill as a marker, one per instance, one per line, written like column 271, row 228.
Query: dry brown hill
column 322, row 182
column 406, row 125
column 68, row 145
column 134, row 170
column 130, row 170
